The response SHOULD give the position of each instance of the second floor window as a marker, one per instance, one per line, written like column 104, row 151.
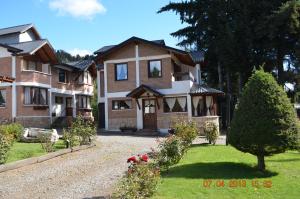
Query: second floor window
column 35, row 96
column 31, row 65
column 121, row 72
column 2, row 98
column 154, row 68
column 62, row 76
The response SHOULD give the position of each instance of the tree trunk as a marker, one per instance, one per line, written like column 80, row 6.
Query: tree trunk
column 261, row 162
column 228, row 103
column 240, row 83
column 220, row 76
column 280, row 68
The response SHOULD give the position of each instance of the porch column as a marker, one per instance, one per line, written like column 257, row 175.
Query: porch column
column 50, row 105
column 198, row 73
column 189, row 107
column 14, row 90
column 139, row 115
column 74, row 105
column 98, row 86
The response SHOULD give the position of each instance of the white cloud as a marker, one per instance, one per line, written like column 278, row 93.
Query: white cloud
column 77, row 8
column 81, row 52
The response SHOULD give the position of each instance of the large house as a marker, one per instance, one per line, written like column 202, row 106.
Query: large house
column 149, row 85
column 41, row 90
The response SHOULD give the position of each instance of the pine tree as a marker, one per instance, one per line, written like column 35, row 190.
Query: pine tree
column 264, row 121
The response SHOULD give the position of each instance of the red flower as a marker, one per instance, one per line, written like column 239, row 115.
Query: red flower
column 132, row 159
column 144, row 158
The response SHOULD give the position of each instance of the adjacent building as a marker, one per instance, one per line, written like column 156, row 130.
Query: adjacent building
column 41, row 90
column 148, row 85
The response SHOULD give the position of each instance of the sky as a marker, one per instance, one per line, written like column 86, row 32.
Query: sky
column 83, row 26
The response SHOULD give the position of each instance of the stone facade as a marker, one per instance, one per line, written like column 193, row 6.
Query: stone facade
column 36, row 122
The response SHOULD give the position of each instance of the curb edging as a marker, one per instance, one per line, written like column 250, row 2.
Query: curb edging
column 43, row 158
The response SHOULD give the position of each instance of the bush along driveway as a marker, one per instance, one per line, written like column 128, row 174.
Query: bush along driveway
column 84, row 174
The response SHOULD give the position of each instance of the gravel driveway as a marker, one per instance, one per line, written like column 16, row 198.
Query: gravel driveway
column 85, row 174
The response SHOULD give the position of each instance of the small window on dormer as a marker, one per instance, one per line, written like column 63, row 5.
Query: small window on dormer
column 62, row 76
column 31, row 65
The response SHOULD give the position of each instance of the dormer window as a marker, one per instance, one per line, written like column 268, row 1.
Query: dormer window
column 62, row 76
column 154, row 68
column 31, row 65
column 121, row 72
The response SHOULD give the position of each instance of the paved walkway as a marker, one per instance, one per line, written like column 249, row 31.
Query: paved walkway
column 85, row 174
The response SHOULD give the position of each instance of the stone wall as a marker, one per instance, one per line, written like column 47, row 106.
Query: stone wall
column 115, row 124
column 201, row 121
column 36, row 122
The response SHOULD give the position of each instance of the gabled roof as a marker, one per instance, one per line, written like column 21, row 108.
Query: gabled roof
column 136, row 93
column 82, row 65
column 180, row 54
column 204, row 90
column 10, row 48
column 30, row 47
column 18, row 29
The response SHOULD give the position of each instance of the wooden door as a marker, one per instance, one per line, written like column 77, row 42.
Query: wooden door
column 69, row 107
column 149, row 114
column 101, row 115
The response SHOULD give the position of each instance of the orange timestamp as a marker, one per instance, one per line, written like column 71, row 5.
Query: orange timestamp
column 237, row 183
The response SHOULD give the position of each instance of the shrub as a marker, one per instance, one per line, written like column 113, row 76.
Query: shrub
column 170, row 152
column 46, row 142
column 5, row 144
column 81, row 130
column 140, row 181
column 186, row 131
column 211, row 132
column 70, row 139
column 264, row 121
column 14, row 131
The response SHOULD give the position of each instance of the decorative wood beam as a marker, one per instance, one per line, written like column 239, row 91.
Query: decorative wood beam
column 138, row 103
column 6, row 79
column 157, row 102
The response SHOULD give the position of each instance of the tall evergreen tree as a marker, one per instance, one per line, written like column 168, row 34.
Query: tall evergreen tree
column 264, row 122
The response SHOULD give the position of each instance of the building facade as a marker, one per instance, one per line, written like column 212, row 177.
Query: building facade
column 149, row 85
column 42, row 90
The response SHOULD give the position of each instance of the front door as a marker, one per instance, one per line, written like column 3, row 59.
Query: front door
column 149, row 114
column 69, row 107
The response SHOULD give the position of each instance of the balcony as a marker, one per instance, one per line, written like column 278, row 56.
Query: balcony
column 35, row 76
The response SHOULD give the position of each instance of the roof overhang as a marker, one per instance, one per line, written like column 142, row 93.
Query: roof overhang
column 182, row 55
column 139, row 91
column 10, row 48
column 45, row 51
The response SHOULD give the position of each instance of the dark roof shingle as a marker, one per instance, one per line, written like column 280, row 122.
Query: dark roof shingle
column 30, row 46
column 81, row 65
column 15, row 29
column 204, row 90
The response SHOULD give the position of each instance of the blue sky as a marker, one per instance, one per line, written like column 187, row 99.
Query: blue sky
column 86, row 25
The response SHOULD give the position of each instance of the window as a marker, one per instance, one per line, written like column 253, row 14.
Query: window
column 84, row 102
column 121, row 72
column 121, row 104
column 2, row 98
column 35, row 96
column 58, row 100
column 154, row 68
column 85, row 78
column 31, row 65
column 62, row 76
column 175, row 104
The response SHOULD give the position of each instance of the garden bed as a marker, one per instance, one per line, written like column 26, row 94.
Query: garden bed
column 214, row 171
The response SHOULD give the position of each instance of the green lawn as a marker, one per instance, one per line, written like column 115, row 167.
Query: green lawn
column 203, row 170
column 21, row 151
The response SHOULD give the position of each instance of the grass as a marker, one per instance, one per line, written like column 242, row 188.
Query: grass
column 21, row 150
column 204, row 169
